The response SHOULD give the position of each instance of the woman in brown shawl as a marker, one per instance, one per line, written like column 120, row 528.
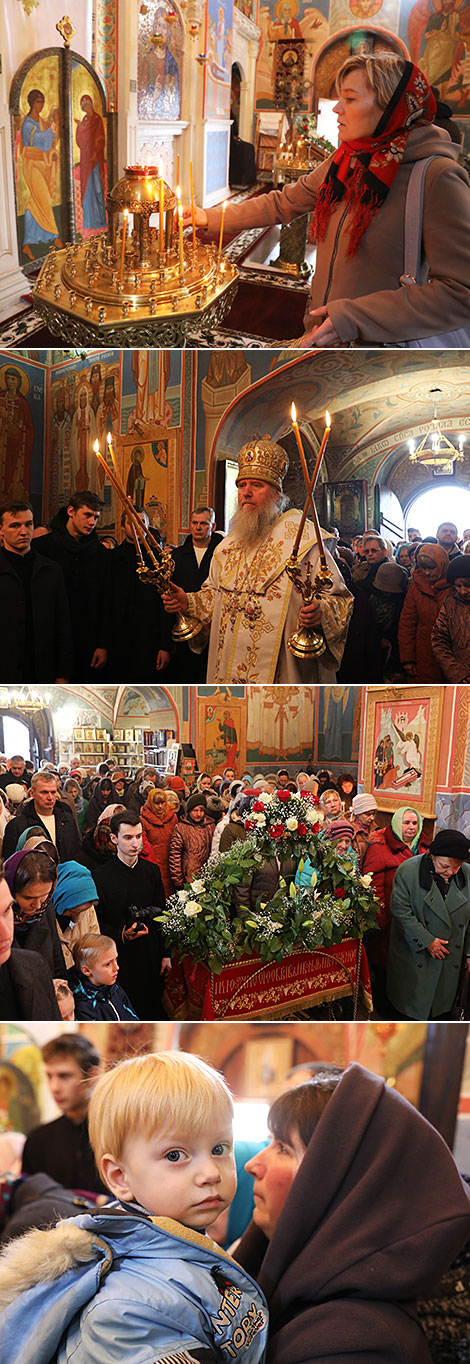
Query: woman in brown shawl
column 359, row 1209
column 426, row 593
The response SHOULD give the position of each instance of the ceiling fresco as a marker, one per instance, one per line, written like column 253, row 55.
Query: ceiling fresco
column 378, row 401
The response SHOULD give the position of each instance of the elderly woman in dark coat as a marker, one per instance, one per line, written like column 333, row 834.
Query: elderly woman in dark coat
column 430, row 936
column 359, row 1208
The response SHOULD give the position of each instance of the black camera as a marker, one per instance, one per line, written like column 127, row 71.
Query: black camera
column 140, row 916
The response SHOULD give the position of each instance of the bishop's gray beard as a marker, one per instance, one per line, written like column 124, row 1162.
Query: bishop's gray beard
column 250, row 523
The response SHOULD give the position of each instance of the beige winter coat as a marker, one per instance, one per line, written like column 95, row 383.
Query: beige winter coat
column 365, row 299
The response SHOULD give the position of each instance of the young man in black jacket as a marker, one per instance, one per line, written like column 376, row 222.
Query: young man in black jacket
column 34, row 611
column 73, row 543
column 125, row 883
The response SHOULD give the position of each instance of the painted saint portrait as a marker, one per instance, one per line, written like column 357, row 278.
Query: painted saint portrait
column 91, row 140
column 159, row 65
column 37, row 140
column 16, row 434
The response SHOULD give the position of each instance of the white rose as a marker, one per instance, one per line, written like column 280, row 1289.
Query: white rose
column 197, row 887
column 192, row 908
column 319, row 814
column 182, row 895
column 311, row 816
column 261, row 820
column 292, row 823
column 366, row 880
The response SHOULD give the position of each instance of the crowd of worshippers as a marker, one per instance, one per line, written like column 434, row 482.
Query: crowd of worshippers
column 90, row 861
column 75, row 609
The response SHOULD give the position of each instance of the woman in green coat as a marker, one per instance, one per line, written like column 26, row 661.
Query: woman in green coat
column 430, row 905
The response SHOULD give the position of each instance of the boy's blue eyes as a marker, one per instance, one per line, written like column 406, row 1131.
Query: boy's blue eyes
column 220, row 1149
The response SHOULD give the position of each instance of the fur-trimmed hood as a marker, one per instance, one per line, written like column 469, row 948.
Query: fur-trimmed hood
column 117, row 1284
column 43, row 1256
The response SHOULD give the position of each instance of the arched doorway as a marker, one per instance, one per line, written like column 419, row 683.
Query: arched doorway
column 448, row 501
column 343, row 45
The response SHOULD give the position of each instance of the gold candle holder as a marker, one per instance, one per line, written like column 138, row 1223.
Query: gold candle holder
column 307, row 642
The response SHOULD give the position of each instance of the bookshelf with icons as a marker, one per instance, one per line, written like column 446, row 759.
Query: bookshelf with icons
column 158, row 744
column 127, row 749
column 88, row 747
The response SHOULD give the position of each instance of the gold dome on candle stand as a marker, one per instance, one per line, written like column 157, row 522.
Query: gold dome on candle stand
column 132, row 286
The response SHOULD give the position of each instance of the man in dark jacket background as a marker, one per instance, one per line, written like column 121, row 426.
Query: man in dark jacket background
column 34, row 611
column 73, row 543
column 125, row 883
column 138, row 620
column 53, row 815
column 192, row 563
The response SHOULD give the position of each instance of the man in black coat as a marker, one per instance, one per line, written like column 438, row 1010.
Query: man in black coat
column 34, row 611
column 73, row 543
column 61, row 1148
column 47, row 811
column 192, row 563
column 138, row 619
column 126, row 881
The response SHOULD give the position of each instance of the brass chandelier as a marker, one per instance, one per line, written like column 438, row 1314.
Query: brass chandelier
column 435, row 450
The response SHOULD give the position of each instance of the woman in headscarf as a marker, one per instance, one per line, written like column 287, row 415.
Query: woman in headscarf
column 426, row 593
column 102, row 796
column 402, row 555
column 359, row 1210
column 31, row 877
column 359, row 293
column 74, row 898
column 401, row 839
column 72, row 788
column 96, row 843
column 159, row 818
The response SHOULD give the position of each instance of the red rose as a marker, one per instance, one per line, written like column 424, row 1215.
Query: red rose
column 257, row 805
column 249, row 824
column 301, row 828
column 276, row 830
column 339, row 893
column 284, row 795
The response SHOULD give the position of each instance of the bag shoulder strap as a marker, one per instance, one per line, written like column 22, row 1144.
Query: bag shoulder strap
column 414, row 221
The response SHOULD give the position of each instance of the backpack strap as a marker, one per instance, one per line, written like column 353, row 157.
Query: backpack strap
column 414, row 222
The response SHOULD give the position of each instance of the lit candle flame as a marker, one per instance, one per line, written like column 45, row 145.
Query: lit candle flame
column 293, row 413
column 328, row 421
column 96, row 447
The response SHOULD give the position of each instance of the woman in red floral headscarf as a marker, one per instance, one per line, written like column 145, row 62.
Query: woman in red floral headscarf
column 385, row 122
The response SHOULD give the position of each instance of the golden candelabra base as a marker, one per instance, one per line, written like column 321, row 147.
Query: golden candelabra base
column 85, row 299
column 306, row 642
column 186, row 628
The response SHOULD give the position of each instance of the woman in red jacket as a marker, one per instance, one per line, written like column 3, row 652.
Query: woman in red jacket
column 158, row 821
column 400, row 839
column 426, row 593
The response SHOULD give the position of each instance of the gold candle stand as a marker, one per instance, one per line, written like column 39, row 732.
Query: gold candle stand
column 134, row 287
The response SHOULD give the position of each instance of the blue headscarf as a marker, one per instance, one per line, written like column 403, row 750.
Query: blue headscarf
column 74, row 886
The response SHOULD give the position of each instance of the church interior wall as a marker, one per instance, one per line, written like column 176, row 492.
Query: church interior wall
column 438, row 41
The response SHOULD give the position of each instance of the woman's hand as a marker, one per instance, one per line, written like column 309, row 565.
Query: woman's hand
column 200, row 216
column 438, row 948
column 324, row 333
column 174, row 599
